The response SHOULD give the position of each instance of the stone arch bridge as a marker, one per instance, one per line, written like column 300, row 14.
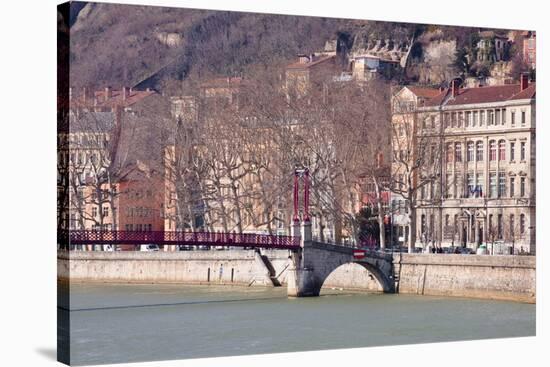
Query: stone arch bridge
column 314, row 261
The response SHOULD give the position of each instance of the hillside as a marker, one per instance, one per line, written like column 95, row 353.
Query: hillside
column 146, row 46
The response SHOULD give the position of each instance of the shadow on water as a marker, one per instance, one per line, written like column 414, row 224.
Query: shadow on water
column 165, row 304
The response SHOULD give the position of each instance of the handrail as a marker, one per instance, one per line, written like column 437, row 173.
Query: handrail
column 82, row 237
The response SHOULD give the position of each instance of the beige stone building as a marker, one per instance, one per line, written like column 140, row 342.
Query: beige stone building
column 484, row 192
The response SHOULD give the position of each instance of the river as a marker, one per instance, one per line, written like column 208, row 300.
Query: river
column 114, row 323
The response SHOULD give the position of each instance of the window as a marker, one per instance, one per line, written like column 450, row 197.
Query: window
column 449, row 152
column 492, row 185
column 449, row 185
column 468, row 119
column 512, row 226
column 481, row 118
column 479, row 185
column 491, row 228
column 522, row 187
column 470, row 151
column 492, row 150
column 479, row 151
column 512, row 186
column 471, row 185
column 458, row 187
column 497, row 117
column 490, row 117
column 522, row 118
column 460, row 118
column 522, row 151
column 432, row 121
column 499, row 226
column 94, row 212
column 424, row 123
column 474, row 118
column 456, row 222
column 522, row 224
column 447, row 119
column 501, row 150
column 458, row 152
column 501, row 185
column 423, row 225
column 453, row 119
column 504, row 116
column 512, row 151
column 105, row 211
column 513, row 118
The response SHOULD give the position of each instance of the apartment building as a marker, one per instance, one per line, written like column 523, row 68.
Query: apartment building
column 484, row 192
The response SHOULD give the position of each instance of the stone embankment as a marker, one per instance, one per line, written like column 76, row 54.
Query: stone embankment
column 479, row 276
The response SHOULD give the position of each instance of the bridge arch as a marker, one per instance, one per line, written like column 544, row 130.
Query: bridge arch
column 319, row 261
column 377, row 275
column 352, row 275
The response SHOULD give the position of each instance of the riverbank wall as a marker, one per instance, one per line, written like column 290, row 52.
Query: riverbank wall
column 478, row 276
column 193, row 267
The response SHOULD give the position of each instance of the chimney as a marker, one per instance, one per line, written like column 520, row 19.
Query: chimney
column 87, row 95
column 124, row 93
column 108, row 93
column 454, row 87
column 524, row 81
column 379, row 160
column 148, row 89
column 303, row 59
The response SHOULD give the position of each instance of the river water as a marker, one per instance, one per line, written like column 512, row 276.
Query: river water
column 113, row 323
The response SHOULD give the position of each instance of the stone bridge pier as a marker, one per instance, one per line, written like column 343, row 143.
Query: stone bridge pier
column 315, row 261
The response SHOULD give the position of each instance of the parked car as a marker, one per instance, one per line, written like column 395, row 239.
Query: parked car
column 149, row 247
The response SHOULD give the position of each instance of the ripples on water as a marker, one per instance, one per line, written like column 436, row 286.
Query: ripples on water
column 113, row 323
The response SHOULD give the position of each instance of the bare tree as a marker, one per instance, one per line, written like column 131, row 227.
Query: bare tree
column 417, row 158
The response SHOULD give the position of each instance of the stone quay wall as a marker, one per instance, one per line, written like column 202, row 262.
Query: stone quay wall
column 477, row 276
column 239, row 267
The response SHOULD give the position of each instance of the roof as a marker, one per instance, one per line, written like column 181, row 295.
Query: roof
column 368, row 56
column 116, row 99
column 490, row 34
column 91, row 122
column 306, row 65
column 424, row 92
column 499, row 93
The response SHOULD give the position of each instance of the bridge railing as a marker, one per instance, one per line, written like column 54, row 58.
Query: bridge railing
column 91, row 237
